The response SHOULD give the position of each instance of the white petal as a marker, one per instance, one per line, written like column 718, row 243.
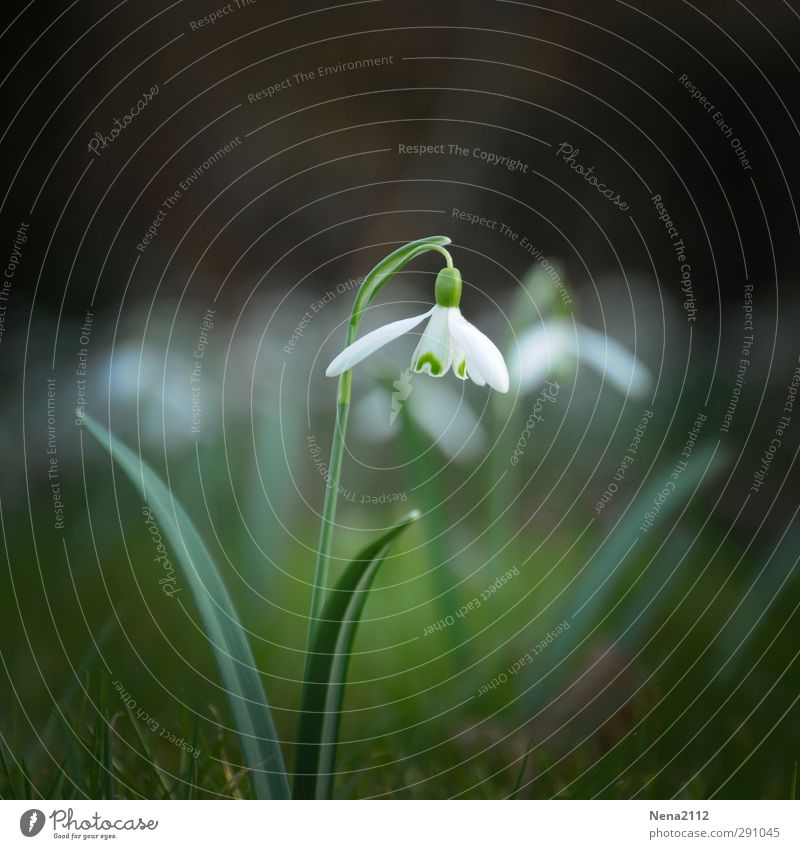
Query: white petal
column 370, row 343
column 484, row 361
column 541, row 350
column 434, row 353
column 459, row 362
column 614, row 361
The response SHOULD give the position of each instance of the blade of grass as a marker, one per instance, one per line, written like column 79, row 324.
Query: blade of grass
column 10, row 776
column 90, row 656
column 95, row 745
column 26, row 781
column 323, row 687
column 147, row 753
column 106, row 755
column 73, row 771
column 225, row 633
column 190, row 778
column 520, row 775
column 54, row 791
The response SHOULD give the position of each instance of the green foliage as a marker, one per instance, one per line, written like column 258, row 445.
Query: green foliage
column 323, row 689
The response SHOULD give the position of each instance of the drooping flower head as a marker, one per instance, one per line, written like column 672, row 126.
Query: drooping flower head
column 448, row 340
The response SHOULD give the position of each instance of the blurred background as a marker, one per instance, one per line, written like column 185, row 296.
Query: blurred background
column 190, row 198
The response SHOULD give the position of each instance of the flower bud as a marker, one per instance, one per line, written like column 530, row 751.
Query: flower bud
column 448, row 287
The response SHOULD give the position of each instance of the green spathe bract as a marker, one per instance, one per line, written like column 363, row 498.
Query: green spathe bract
column 225, row 632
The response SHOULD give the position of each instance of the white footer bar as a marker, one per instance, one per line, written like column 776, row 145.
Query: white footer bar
column 390, row 824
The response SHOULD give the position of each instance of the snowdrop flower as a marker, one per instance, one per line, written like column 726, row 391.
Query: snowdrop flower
column 448, row 340
column 556, row 343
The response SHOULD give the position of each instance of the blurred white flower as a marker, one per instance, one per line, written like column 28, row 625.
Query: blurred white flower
column 448, row 340
column 556, row 345
column 142, row 379
column 437, row 410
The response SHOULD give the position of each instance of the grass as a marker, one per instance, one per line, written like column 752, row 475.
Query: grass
column 656, row 729
column 102, row 750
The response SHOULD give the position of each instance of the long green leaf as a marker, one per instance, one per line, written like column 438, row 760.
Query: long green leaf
column 234, row 657
column 323, row 688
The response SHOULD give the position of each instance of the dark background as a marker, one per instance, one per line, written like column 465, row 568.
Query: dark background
column 505, row 73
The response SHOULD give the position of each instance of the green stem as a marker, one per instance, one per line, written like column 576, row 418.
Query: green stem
column 329, row 505
column 445, row 254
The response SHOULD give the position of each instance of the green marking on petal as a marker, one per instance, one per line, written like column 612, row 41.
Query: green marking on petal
column 462, row 368
column 432, row 361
